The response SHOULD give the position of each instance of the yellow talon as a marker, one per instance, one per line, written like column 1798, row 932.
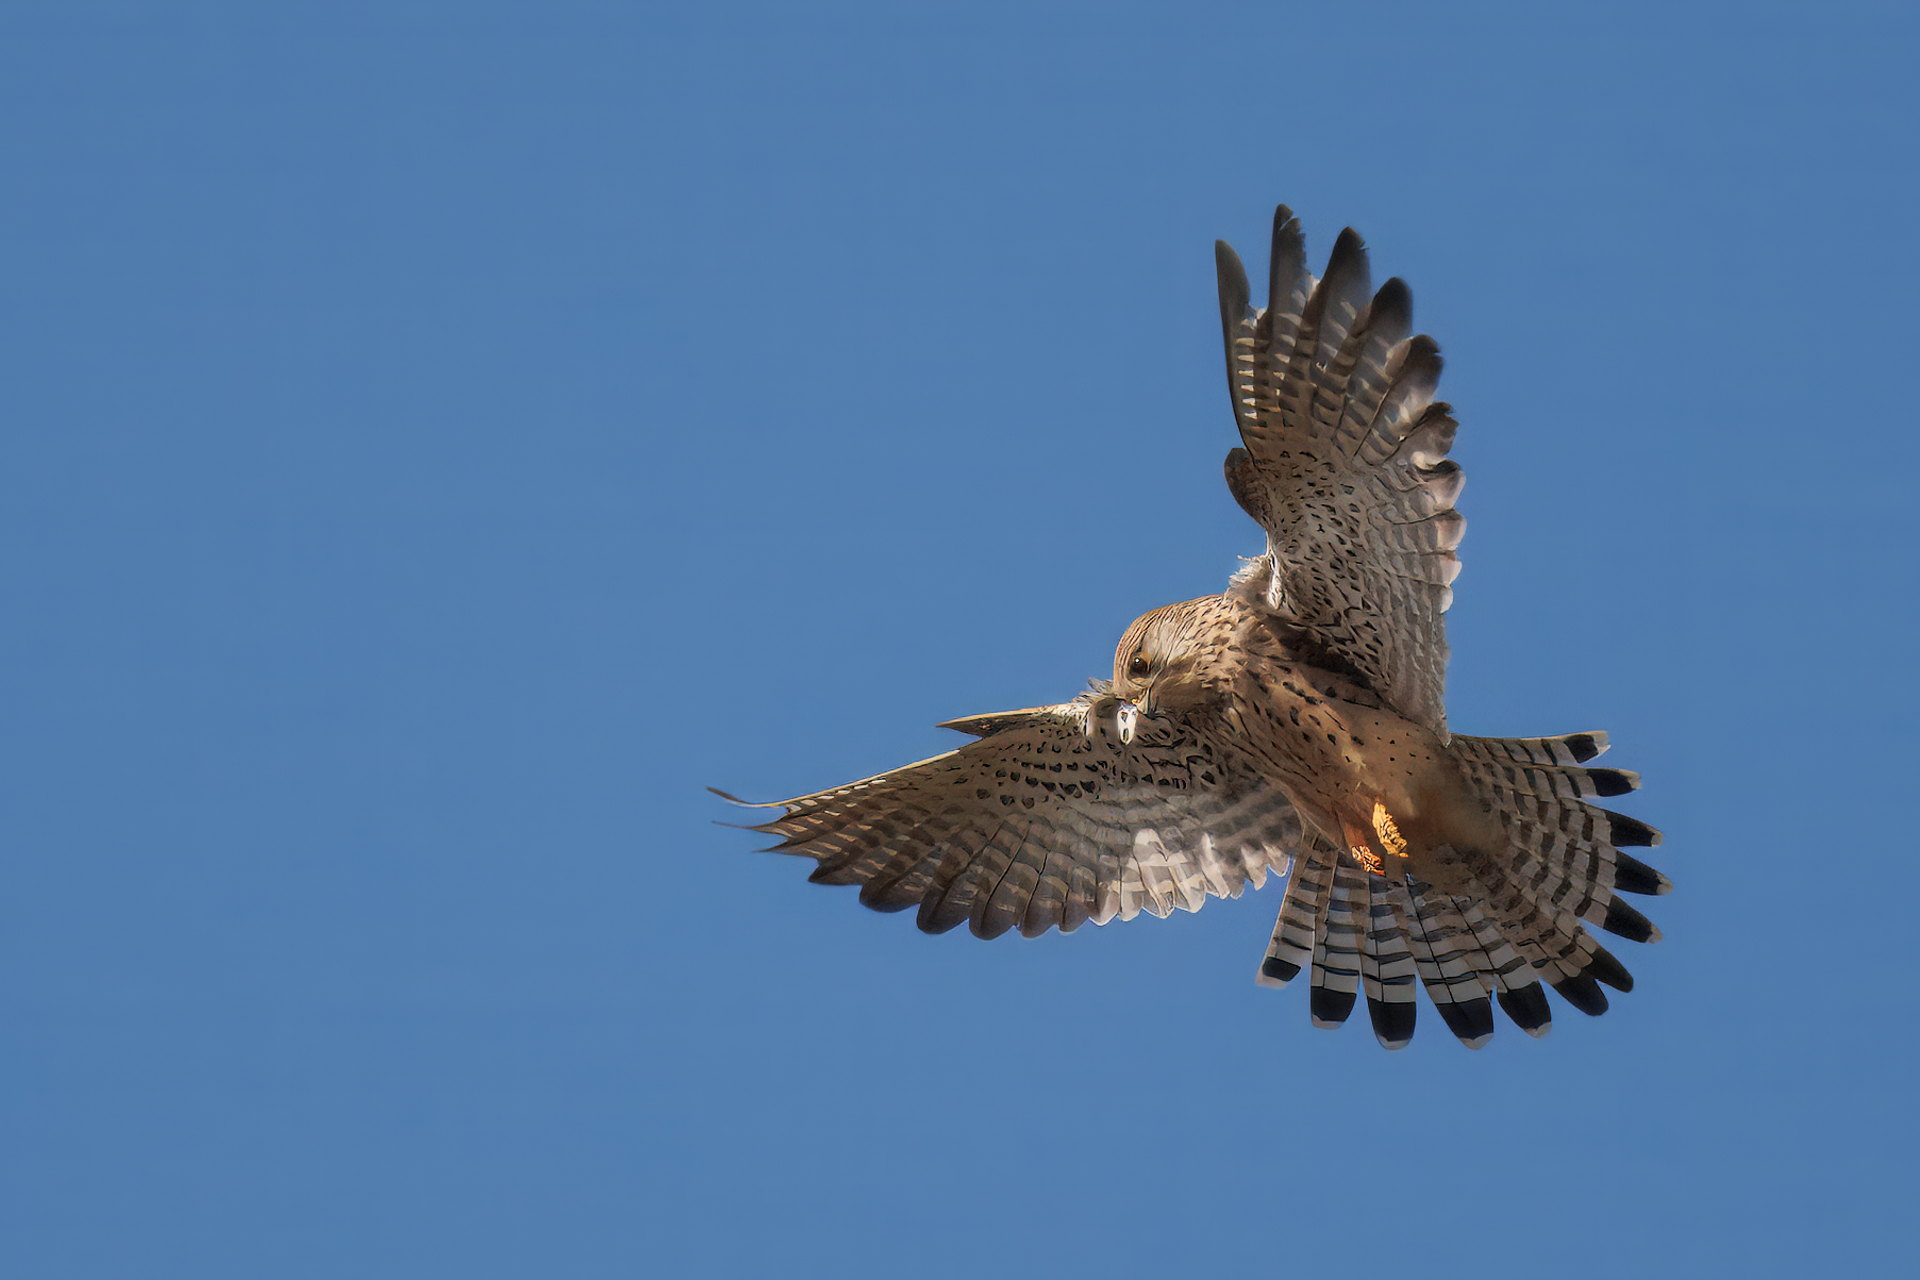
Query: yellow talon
column 1383, row 826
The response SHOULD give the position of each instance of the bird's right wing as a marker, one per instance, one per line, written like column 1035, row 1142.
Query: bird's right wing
column 1054, row 816
column 1345, row 464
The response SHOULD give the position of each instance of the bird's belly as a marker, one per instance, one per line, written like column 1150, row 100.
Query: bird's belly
column 1375, row 783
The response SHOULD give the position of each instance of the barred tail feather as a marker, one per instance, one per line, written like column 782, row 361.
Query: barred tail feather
column 1563, row 867
column 1515, row 987
column 1387, row 968
column 1449, row 960
column 1337, row 947
column 1302, row 913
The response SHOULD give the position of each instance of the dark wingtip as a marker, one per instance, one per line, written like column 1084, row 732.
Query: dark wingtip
column 1329, row 1008
column 1527, row 1006
column 1347, row 277
column 947, row 905
column 1421, row 367
column 1235, row 293
column 1235, row 303
column 936, row 921
column 991, row 923
column 1392, row 308
column 1287, row 255
column 882, row 893
column 1287, row 236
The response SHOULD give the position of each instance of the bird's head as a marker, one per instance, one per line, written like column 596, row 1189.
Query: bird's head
column 1173, row 658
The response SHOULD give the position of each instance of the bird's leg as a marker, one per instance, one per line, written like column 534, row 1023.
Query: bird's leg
column 1126, row 717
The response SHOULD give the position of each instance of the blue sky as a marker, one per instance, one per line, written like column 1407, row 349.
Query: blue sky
column 443, row 439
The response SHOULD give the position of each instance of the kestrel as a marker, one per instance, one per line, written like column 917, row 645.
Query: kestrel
column 1292, row 724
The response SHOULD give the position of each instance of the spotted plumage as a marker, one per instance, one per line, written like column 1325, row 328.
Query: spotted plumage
column 1293, row 724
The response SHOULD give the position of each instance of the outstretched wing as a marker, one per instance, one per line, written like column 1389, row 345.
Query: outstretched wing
column 1053, row 817
column 1345, row 464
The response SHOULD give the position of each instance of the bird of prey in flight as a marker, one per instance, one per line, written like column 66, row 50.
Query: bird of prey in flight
column 1292, row 724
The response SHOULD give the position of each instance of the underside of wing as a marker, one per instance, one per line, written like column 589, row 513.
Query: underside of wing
column 1054, row 816
column 1345, row 464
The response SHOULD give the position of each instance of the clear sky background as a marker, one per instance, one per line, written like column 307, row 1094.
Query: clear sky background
column 441, row 439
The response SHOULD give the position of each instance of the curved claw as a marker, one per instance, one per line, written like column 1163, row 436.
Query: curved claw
column 1100, row 709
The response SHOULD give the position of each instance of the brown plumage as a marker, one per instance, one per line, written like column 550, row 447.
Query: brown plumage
column 1294, row 723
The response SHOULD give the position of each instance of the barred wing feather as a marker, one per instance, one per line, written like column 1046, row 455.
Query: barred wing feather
column 1049, row 819
column 1345, row 464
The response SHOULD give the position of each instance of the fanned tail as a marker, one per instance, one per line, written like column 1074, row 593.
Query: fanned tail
column 1563, row 866
column 1513, row 930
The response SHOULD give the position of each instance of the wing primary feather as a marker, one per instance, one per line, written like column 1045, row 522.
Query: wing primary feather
column 1236, row 296
column 1391, row 312
column 949, row 900
column 1341, row 296
column 1360, row 534
column 1001, row 907
column 1235, row 308
column 1286, row 265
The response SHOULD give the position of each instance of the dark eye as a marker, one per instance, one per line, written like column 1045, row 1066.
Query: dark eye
column 1137, row 666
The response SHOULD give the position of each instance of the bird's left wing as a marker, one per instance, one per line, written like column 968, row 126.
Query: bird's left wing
column 1345, row 464
column 1054, row 816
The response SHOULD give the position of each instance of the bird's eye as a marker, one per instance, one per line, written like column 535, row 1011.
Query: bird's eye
column 1137, row 666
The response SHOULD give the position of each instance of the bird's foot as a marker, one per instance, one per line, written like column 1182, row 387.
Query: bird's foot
column 1124, row 716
